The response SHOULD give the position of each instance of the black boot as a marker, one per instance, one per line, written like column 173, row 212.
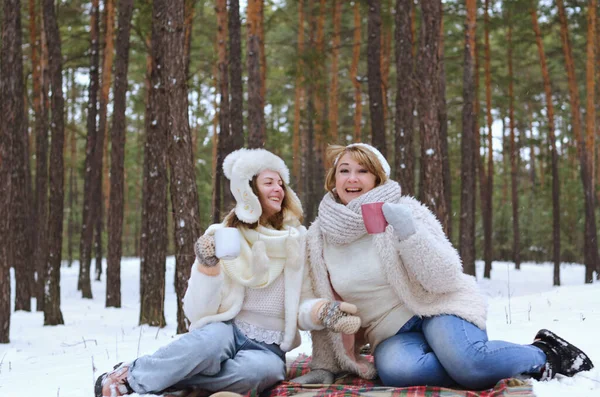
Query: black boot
column 561, row 356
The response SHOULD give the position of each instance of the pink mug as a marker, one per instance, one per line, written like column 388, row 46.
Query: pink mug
column 373, row 217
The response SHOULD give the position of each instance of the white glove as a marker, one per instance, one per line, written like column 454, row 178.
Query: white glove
column 401, row 219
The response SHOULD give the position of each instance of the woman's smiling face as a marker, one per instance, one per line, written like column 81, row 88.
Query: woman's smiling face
column 352, row 179
column 270, row 192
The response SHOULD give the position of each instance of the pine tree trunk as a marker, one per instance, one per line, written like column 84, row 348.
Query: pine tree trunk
column 256, row 116
column 489, row 186
column 443, row 117
column 590, row 110
column 374, row 75
column 117, row 158
column 184, row 196
column 432, row 192
column 405, row 93
column 189, row 25
column 514, row 154
column 224, row 139
column 104, row 183
column 154, row 207
column 299, row 93
column 467, row 175
column 52, row 312
column 236, row 113
column 333, row 89
column 90, row 188
column 590, row 233
column 356, row 41
column 319, row 106
column 72, row 180
column 41, row 161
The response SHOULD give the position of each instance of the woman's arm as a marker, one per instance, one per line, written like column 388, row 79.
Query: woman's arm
column 427, row 253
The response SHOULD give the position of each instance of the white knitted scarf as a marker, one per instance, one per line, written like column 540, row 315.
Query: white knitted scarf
column 264, row 254
column 342, row 224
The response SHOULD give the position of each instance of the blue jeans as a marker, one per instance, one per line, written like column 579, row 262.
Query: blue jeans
column 215, row 357
column 448, row 351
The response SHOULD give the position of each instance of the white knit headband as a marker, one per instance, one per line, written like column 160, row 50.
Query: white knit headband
column 384, row 164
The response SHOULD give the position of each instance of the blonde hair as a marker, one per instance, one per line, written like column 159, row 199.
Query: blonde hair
column 289, row 208
column 361, row 155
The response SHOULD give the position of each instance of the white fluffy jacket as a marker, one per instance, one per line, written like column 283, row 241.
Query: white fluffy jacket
column 424, row 270
column 217, row 298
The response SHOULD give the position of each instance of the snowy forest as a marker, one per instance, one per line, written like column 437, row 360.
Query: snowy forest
column 115, row 117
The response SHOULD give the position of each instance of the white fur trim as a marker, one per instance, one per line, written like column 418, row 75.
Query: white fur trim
column 239, row 167
column 384, row 164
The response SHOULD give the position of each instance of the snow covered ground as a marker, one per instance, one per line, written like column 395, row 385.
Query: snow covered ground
column 63, row 361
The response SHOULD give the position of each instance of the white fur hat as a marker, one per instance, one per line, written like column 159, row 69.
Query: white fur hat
column 384, row 164
column 240, row 167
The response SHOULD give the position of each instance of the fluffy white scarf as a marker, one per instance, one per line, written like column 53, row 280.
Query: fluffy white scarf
column 264, row 253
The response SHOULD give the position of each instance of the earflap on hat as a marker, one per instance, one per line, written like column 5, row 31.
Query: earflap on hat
column 240, row 167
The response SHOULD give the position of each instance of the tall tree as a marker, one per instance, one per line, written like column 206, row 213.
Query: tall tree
column 333, row 90
column 153, row 244
column 405, row 93
column 299, row 102
column 13, row 86
column 90, row 186
column 489, row 179
column 356, row 41
column 374, row 75
column 590, row 233
column 431, row 179
column 443, row 117
column 117, row 158
column 52, row 312
column 514, row 152
column 41, row 159
column 103, row 182
column 590, row 85
column 11, row 121
column 256, row 115
column 467, row 169
column 184, row 193
column 236, row 113
column 224, row 138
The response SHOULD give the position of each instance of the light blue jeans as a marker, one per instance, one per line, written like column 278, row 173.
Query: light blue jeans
column 215, row 357
column 449, row 351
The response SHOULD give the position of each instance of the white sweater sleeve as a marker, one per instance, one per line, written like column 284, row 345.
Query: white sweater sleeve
column 428, row 254
column 203, row 295
column 307, row 304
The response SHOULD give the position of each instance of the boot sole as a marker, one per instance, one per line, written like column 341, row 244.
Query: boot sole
column 586, row 363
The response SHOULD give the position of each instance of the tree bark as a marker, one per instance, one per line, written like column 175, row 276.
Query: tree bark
column 374, row 75
column 52, row 312
column 443, row 117
column 333, row 89
column 590, row 233
column 117, row 158
column 256, row 116
column 432, row 192
column 489, row 186
column 467, row 175
column 235, row 77
column 356, row 41
column 514, row 154
column 299, row 103
column 405, row 93
column 154, row 208
column 90, row 186
column 184, row 196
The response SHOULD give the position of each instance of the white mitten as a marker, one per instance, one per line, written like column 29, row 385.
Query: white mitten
column 401, row 219
column 338, row 316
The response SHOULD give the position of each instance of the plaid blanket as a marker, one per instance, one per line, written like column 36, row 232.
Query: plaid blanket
column 353, row 386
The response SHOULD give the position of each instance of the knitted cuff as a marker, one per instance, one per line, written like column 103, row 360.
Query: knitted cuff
column 333, row 318
column 205, row 250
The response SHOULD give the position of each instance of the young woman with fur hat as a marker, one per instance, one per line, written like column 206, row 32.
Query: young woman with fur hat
column 423, row 318
column 244, row 312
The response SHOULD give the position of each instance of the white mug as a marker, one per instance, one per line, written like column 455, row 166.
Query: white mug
column 227, row 243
